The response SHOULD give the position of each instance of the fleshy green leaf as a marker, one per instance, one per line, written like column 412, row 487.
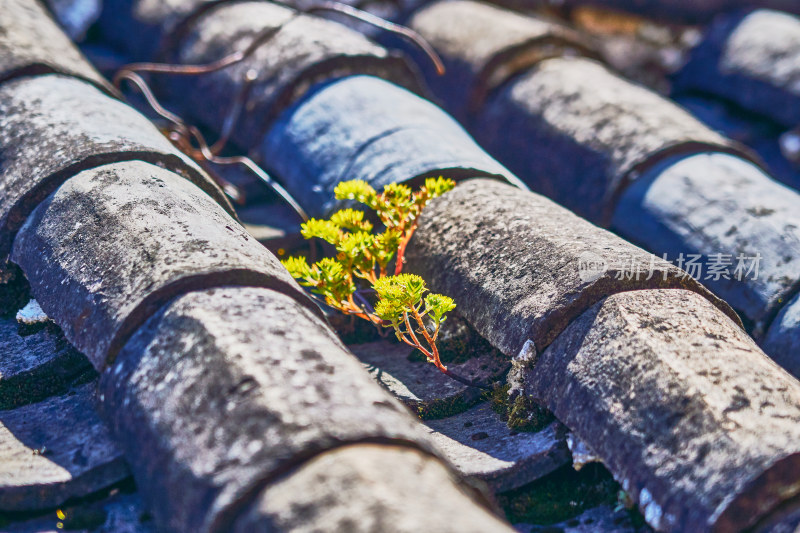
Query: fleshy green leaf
column 358, row 190
column 351, row 219
column 405, row 289
column 438, row 186
column 322, row 229
column 385, row 246
column 438, row 305
column 388, row 310
column 298, row 267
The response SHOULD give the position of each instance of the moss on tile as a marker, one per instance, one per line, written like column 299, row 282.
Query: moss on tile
column 448, row 406
column 526, row 415
column 38, row 363
column 521, row 413
column 560, row 495
column 498, row 397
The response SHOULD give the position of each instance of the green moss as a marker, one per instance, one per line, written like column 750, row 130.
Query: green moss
column 498, row 397
column 527, row 415
column 521, row 414
column 436, row 409
column 560, row 495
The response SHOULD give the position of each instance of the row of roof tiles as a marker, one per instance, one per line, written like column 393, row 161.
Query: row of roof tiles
column 622, row 156
column 156, row 235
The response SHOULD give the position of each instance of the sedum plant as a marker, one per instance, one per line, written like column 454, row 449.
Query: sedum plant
column 360, row 272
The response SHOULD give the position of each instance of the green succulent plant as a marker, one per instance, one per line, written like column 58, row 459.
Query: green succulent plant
column 359, row 273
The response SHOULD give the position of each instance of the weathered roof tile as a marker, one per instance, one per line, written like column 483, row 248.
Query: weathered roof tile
column 760, row 133
column 480, row 444
column 52, row 127
column 579, row 134
column 676, row 400
column 116, row 242
column 782, row 340
column 35, row 366
column 482, row 46
column 753, row 60
column 265, row 386
column 55, row 450
column 719, row 206
column 521, row 267
column 31, row 43
column 302, row 51
column 420, row 385
column 366, row 128
column 375, row 484
column 152, row 22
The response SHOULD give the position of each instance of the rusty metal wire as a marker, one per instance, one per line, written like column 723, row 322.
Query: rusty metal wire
column 188, row 137
column 191, row 141
column 383, row 24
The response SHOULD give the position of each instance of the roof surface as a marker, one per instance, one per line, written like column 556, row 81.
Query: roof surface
column 176, row 378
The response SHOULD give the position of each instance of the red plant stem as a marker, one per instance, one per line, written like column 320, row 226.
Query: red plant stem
column 434, row 354
column 418, row 344
column 429, row 340
column 401, row 250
